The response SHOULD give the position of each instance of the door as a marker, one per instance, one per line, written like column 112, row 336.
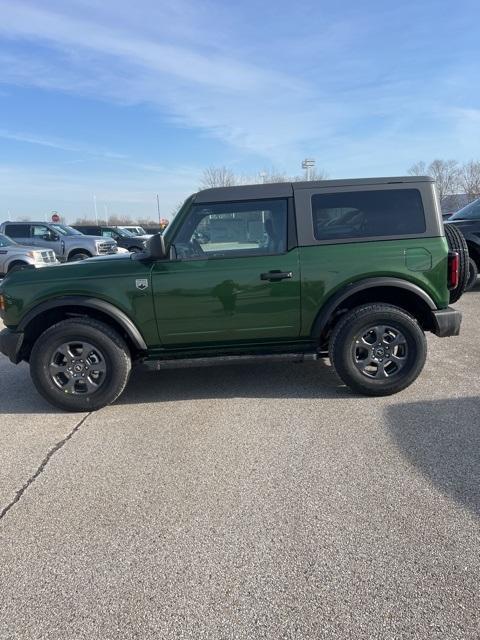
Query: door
column 233, row 278
column 46, row 238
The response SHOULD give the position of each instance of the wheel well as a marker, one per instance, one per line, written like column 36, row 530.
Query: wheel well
column 46, row 319
column 74, row 252
column 15, row 263
column 396, row 296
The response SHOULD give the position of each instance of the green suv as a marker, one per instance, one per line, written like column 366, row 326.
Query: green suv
column 353, row 270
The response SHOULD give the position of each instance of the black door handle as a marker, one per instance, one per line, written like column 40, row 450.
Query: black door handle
column 276, row 275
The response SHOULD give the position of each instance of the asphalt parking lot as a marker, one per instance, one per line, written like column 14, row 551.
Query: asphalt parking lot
column 246, row 502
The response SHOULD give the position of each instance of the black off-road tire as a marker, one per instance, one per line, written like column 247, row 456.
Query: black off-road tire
column 17, row 266
column 346, row 340
column 79, row 255
column 472, row 274
column 113, row 349
column 456, row 242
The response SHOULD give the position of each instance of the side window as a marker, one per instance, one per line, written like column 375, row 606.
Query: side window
column 107, row 233
column 39, row 230
column 364, row 214
column 234, row 229
column 17, row 230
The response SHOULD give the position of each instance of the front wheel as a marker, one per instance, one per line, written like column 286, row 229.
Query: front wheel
column 80, row 364
column 78, row 255
column 17, row 266
column 378, row 349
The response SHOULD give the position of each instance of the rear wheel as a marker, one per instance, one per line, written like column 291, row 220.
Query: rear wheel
column 472, row 275
column 80, row 364
column 378, row 349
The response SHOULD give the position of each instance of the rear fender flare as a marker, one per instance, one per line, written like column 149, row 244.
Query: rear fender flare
column 327, row 310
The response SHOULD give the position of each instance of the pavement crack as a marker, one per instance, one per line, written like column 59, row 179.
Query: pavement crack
column 42, row 466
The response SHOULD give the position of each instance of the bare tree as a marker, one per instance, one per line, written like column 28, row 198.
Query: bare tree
column 470, row 179
column 224, row 177
column 146, row 222
column 273, row 175
column 446, row 174
column 267, row 176
column 89, row 221
column 315, row 174
column 418, row 169
column 217, row 177
column 119, row 220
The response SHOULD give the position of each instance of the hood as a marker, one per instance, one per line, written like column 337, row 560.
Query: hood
column 112, row 256
column 21, row 248
column 74, row 271
column 98, row 238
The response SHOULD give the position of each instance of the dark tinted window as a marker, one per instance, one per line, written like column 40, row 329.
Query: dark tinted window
column 17, row 230
column 364, row 214
column 89, row 231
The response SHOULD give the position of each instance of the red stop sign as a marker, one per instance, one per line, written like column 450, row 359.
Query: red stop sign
column 55, row 217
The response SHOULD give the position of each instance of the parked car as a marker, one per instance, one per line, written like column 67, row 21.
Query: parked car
column 136, row 231
column 15, row 256
column 467, row 220
column 122, row 237
column 67, row 243
column 353, row 270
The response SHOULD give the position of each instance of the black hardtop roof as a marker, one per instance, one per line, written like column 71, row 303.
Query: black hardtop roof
column 286, row 189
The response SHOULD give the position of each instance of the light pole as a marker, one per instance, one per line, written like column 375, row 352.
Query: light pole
column 95, row 208
column 308, row 164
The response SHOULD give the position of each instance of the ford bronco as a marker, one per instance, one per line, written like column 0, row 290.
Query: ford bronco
column 354, row 270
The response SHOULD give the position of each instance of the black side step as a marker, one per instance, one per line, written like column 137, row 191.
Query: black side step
column 180, row 363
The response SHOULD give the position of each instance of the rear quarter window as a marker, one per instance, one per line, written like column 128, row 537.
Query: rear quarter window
column 17, row 230
column 367, row 214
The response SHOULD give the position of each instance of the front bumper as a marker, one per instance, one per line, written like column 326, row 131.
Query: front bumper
column 446, row 322
column 11, row 344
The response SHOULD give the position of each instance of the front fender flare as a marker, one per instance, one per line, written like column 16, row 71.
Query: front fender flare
column 87, row 302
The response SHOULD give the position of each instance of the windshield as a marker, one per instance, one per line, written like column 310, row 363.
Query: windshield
column 172, row 227
column 65, row 230
column 6, row 242
column 124, row 233
column 470, row 212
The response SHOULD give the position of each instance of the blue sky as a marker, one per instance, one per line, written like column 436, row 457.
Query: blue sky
column 125, row 100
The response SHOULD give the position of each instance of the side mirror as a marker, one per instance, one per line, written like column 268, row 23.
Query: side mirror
column 156, row 248
column 50, row 236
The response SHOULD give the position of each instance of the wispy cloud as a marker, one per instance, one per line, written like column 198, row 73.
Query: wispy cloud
column 265, row 79
column 204, row 87
column 56, row 143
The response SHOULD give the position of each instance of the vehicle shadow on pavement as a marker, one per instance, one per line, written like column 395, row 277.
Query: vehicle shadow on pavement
column 308, row 380
column 19, row 396
column 442, row 440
